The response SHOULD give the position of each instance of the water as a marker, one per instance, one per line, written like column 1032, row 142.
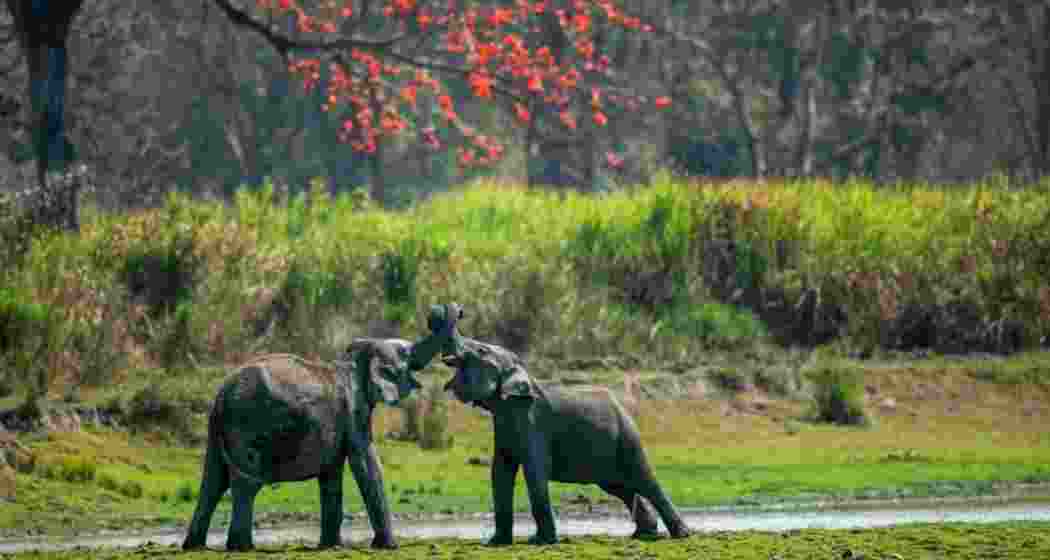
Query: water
column 616, row 525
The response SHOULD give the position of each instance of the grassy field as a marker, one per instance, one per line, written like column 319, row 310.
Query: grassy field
column 951, row 432
column 555, row 275
column 1017, row 541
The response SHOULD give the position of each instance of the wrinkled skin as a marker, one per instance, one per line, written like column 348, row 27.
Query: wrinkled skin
column 559, row 435
column 282, row 418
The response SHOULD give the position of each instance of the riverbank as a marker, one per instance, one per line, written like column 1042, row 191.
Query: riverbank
column 938, row 428
column 1017, row 540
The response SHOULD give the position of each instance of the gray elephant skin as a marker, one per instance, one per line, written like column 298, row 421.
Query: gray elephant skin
column 283, row 418
column 556, row 434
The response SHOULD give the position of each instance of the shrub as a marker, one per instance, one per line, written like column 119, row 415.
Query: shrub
column 728, row 379
column 645, row 258
column 411, row 426
column 161, row 278
column 777, row 380
column 7, row 382
column 175, row 341
column 400, row 271
column 435, row 420
column 99, row 346
column 713, row 322
column 151, row 408
column 28, row 334
column 838, row 396
column 17, row 230
column 522, row 303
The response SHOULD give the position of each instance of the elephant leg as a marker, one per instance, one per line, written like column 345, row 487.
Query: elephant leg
column 214, row 483
column 651, row 490
column 537, row 479
column 240, row 535
column 331, row 483
column 369, row 477
column 504, row 470
column 644, row 518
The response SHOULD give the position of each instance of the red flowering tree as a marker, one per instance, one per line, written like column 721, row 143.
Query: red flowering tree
column 386, row 58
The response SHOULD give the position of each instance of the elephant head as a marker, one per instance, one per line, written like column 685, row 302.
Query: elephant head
column 389, row 363
column 444, row 338
column 486, row 372
column 383, row 366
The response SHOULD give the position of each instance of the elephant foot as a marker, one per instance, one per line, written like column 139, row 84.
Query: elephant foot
column 539, row 539
column 239, row 546
column 646, row 534
column 193, row 544
column 500, row 540
column 386, row 542
column 680, row 531
column 330, row 543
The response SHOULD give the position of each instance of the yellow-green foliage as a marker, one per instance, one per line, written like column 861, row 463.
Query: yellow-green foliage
column 547, row 261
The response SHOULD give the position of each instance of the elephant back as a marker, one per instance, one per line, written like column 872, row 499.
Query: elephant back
column 294, row 370
column 280, row 417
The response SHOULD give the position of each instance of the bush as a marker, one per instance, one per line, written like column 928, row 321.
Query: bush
column 435, row 420
column 645, row 258
column 28, row 334
column 777, row 380
column 99, row 346
column 151, row 408
column 729, row 379
column 712, row 322
column 411, row 426
column 523, row 301
column 838, row 396
column 17, row 230
column 162, row 278
column 7, row 382
column 175, row 342
column 400, row 271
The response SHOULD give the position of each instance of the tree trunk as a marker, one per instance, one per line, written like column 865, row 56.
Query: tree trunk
column 1041, row 81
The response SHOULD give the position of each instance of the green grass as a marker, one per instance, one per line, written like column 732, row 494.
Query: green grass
column 562, row 259
column 556, row 263
column 956, row 541
column 701, row 457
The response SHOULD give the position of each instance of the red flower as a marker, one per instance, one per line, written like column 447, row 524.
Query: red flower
column 535, row 84
column 522, row 112
column 481, row 84
column 567, row 119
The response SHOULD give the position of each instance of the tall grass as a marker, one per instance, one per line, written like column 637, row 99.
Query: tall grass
column 558, row 273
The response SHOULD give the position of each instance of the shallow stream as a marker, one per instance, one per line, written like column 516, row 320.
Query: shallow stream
column 701, row 520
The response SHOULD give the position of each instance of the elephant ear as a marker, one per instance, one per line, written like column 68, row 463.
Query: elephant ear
column 518, row 385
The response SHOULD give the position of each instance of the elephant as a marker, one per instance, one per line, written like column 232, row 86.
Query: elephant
column 555, row 434
column 282, row 418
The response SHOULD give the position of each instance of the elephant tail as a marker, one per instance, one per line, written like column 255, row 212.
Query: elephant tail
column 216, row 434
